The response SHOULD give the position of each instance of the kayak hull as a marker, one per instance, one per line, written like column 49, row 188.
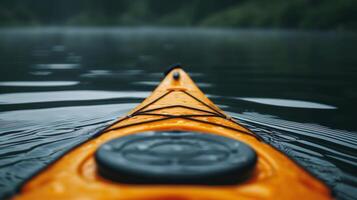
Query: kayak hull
column 176, row 105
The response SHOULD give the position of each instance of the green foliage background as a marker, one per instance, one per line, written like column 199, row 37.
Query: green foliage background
column 293, row 14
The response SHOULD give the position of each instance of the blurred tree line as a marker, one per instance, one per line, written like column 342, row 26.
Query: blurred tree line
column 300, row 14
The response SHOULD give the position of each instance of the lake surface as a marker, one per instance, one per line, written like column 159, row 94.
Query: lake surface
column 297, row 90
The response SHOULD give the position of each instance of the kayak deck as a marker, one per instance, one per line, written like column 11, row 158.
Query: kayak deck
column 177, row 104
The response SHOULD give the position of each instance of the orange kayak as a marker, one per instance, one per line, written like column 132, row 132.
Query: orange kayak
column 176, row 144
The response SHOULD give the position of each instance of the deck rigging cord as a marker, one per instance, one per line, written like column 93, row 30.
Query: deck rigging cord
column 210, row 113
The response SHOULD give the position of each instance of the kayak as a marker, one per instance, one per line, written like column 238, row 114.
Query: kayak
column 176, row 144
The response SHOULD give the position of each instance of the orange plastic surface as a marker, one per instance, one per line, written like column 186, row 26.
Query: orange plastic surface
column 74, row 175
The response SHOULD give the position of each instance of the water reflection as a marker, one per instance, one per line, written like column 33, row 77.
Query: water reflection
column 37, row 97
column 114, row 74
column 38, row 83
column 41, row 73
column 288, row 103
column 57, row 66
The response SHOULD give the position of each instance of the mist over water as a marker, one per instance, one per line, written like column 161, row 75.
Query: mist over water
column 60, row 86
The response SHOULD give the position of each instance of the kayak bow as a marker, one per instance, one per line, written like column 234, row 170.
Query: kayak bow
column 176, row 144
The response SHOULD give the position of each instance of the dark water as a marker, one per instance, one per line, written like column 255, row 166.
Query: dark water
column 295, row 89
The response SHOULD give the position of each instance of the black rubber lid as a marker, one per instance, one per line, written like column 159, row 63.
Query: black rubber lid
column 175, row 158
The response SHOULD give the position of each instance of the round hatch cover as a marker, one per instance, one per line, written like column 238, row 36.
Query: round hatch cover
column 175, row 158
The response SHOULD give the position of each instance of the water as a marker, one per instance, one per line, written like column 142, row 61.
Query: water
column 297, row 90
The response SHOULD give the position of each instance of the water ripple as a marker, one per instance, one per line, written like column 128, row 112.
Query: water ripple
column 48, row 134
column 320, row 150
